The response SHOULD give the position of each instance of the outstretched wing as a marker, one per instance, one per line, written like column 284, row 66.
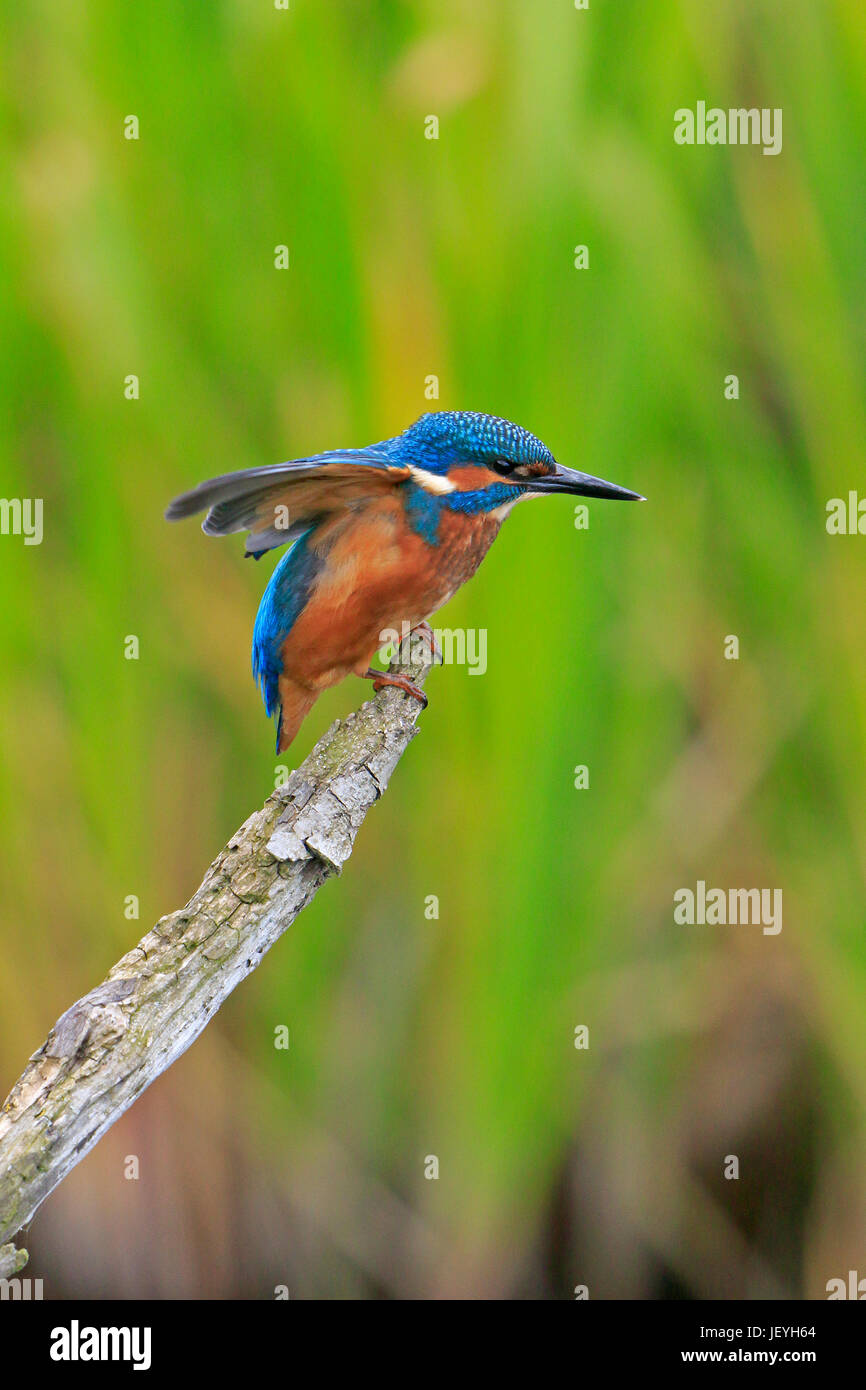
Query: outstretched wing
column 280, row 501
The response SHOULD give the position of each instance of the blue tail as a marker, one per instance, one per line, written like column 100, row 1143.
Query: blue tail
column 282, row 603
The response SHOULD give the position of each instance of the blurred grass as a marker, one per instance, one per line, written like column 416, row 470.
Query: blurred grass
column 455, row 257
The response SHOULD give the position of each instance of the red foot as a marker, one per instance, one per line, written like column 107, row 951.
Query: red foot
column 381, row 678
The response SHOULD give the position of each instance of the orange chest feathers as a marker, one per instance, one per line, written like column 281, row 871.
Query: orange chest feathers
column 383, row 567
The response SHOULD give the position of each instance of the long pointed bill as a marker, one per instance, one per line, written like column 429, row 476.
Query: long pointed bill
column 582, row 485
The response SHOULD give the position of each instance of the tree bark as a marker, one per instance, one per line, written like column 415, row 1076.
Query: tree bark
column 112, row 1043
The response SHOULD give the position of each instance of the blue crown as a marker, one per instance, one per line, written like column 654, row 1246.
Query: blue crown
column 442, row 438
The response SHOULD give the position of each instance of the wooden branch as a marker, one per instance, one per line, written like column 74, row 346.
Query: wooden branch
column 111, row 1044
column 12, row 1261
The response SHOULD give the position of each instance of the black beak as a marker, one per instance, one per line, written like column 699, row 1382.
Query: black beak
column 581, row 485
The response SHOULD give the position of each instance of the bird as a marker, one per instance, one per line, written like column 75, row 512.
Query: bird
column 380, row 538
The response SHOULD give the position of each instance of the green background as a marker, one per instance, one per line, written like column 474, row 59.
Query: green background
column 606, row 647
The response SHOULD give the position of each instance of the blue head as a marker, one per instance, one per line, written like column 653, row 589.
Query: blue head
column 446, row 440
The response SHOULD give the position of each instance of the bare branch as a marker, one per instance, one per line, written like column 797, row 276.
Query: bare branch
column 12, row 1261
column 111, row 1044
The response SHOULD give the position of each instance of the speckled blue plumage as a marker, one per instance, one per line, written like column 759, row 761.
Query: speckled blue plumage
column 424, row 510
column 442, row 438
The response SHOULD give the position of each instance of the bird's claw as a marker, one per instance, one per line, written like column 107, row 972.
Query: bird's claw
column 381, row 679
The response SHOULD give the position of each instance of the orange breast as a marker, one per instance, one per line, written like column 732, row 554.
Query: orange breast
column 378, row 575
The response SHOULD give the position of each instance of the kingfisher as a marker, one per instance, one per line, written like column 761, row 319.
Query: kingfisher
column 380, row 538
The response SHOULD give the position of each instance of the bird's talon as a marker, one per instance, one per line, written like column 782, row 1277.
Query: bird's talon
column 381, row 680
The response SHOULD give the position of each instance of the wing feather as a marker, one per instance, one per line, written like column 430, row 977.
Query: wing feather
column 277, row 502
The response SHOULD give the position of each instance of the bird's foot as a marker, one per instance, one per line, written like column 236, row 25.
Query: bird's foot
column 382, row 678
column 429, row 636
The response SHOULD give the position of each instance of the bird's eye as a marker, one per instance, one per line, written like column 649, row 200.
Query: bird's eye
column 502, row 466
